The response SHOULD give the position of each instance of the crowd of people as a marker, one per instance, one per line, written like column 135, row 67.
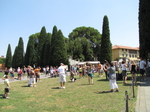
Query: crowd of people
column 82, row 71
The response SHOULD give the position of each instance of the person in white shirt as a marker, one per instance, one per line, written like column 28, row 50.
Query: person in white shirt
column 7, row 86
column 62, row 75
column 142, row 68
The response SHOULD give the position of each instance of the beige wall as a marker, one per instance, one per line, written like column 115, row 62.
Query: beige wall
column 119, row 53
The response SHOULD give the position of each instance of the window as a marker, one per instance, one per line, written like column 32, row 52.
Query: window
column 132, row 51
column 126, row 55
column 122, row 55
column 122, row 49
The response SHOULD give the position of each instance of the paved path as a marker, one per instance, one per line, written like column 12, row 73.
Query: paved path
column 143, row 97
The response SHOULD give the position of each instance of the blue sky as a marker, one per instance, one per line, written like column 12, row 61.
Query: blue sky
column 21, row 18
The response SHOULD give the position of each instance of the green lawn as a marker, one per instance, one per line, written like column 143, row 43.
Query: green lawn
column 77, row 97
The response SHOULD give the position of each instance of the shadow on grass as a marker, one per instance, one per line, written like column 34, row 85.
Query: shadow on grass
column 55, row 88
column 102, row 92
column 102, row 80
column 2, row 96
column 24, row 86
column 85, row 84
column 70, row 81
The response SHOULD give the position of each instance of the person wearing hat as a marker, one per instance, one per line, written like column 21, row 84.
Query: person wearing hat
column 62, row 75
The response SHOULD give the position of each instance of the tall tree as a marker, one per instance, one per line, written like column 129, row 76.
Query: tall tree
column 8, row 62
column 14, row 59
column 106, row 46
column 30, row 52
column 60, row 54
column 53, row 44
column 90, row 40
column 46, row 59
column 144, row 26
column 41, row 40
column 20, row 53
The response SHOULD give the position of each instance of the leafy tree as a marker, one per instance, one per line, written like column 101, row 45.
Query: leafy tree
column 106, row 46
column 8, row 62
column 77, row 49
column 91, row 38
column 42, row 40
column 53, row 45
column 60, row 54
column 144, row 26
column 19, row 54
column 30, row 52
column 2, row 60
column 14, row 59
column 46, row 59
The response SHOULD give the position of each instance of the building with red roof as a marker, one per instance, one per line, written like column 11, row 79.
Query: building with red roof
column 131, row 53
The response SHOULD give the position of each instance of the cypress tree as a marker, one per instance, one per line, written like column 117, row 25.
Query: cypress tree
column 144, row 26
column 42, row 40
column 53, row 44
column 106, row 46
column 20, row 53
column 60, row 54
column 29, row 56
column 46, row 59
column 8, row 62
column 14, row 59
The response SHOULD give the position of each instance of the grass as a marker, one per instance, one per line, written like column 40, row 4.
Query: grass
column 77, row 97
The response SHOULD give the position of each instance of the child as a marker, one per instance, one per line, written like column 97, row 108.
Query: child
column 90, row 74
column 7, row 86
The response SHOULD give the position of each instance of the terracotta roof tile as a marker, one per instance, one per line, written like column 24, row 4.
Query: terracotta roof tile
column 124, row 47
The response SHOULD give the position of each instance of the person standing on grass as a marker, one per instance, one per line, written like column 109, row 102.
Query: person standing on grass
column 62, row 75
column 124, row 72
column 32, row 82
column 83, row 70
column 6, row 71
column 133, row 69
column 100, row 69
column 111, row 71
column 28, row 72
column 11, row 73
column 37, row 74
column 142, row 69
column 19, row 71
column 90, row 74
column 80, row 71
column 7, row 86
column 24, row 71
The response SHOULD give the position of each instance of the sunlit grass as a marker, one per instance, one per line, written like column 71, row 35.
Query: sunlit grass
column 77, row 97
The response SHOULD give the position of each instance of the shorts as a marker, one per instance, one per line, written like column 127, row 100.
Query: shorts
column 100, row 71
column 142, row 71
column 6, row 90
column 124, row 73
column 90, row 75
column 62, row 78
column 12, row 75
column 37, row 76
column 20, row 75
